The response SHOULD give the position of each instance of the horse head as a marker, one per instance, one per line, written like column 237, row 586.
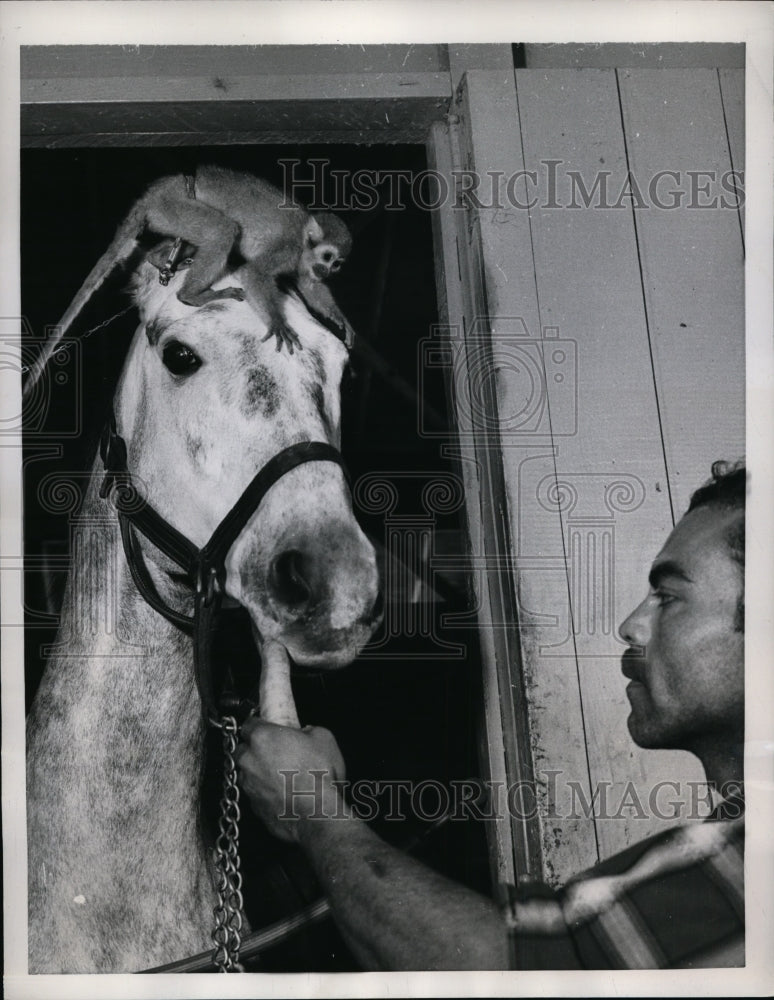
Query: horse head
column 203, row 403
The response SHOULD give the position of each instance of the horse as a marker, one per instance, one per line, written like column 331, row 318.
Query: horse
column 120, row 869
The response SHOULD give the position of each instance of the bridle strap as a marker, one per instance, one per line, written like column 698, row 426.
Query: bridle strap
column 144, row 582
column 131, row 505
column 205, row 566
column 215, row 551
column 211, row 569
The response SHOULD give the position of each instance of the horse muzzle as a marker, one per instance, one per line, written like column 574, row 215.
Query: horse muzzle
column 318, row 593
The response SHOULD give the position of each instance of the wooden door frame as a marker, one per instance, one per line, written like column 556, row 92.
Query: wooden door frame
column 106, row 96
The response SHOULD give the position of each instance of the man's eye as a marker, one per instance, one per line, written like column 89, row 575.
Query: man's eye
column 664, row 598
column 179, row 359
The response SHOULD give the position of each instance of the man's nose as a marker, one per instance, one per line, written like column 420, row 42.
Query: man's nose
column 635, row 630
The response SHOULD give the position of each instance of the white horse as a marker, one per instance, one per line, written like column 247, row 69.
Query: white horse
column 120, row 876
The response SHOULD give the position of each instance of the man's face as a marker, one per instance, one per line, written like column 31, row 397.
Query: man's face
column 689, row 684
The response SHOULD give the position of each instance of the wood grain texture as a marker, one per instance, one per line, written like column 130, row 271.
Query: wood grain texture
column 156, row 94
column 692, row 265
column 486, row 56
column 612, row 55
column 343, row 110
column 732, row 95
column 610, row 480
column 226, row 90
column 127, row 61
column 416, row 132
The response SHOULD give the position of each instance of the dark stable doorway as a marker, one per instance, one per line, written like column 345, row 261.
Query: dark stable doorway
column 406, row 712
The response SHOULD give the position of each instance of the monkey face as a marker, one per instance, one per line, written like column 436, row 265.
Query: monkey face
column 326, row 260
column 326, row 246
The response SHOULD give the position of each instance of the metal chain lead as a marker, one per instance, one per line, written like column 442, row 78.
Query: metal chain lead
column 229, row 913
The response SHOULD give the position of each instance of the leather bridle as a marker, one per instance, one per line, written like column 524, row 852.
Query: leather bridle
column 206, row 566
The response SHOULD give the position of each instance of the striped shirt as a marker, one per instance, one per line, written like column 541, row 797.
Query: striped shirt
column 675, row 900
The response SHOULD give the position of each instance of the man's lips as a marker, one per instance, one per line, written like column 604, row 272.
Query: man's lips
column 631, row 665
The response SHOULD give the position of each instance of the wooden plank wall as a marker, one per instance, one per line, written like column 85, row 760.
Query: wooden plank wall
column 649, row 303
column 732, row 96
column 694, row 289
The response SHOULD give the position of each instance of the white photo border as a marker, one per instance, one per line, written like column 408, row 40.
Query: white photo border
column 191, row 22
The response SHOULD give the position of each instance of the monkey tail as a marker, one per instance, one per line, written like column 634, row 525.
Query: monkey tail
column 120, row 249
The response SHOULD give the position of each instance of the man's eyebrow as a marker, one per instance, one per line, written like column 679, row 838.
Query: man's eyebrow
column 665, row 569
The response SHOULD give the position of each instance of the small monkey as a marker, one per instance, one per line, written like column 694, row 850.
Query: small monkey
column 299, row 260
column 222, row 213
column 290, row 260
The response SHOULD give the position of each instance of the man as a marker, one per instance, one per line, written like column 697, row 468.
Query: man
column 674, row 900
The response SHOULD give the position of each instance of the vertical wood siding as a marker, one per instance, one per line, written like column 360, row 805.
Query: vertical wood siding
column 615, row 338
column 652, row 299
column 692, row 266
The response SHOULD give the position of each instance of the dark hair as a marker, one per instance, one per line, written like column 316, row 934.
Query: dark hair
column 727, row 490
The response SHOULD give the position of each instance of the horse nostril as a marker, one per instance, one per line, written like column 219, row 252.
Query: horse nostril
column 289, row 574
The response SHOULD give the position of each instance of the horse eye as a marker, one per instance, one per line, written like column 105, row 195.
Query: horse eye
column 179, row 359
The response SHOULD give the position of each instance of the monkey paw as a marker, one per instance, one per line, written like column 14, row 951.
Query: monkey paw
column 284, row 335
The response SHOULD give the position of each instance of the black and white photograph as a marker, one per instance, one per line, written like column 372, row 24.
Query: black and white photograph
column 385, row 396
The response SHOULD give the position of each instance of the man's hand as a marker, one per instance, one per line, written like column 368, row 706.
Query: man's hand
column 289, row 774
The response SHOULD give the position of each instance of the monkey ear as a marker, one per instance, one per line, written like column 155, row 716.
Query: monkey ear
column 314, row 231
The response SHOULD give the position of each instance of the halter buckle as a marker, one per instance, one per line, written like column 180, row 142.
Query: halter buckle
column 208, row 584
column 169, row 268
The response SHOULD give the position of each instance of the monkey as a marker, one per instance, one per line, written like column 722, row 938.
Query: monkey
column 222, row 213
column 299, row 262
column 283, row 262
